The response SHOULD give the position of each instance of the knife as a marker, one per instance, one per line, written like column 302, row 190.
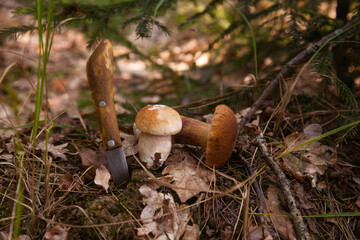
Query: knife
column 100, row 71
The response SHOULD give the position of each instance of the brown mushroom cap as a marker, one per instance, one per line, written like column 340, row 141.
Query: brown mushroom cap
column 158, row 120
column 222, row 137
column 219, row 137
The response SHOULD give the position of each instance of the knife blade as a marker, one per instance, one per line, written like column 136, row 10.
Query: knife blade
column 100, row 71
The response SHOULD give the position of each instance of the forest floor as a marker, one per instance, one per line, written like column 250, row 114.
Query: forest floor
column 184, row 199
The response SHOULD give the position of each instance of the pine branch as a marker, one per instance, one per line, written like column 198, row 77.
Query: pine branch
column 22, row 11
column 284, row 183
column 236, row 25
column 310, row 50
column 15, row 32
column 323, row 65
column 345, row 93
column 196, row 16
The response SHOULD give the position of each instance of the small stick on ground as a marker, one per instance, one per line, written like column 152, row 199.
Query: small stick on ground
column 310, row 50
column 261, row 198
column 284, row 183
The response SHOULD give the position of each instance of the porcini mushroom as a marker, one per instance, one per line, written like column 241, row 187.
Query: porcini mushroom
column 218, row 138
column 157, row 123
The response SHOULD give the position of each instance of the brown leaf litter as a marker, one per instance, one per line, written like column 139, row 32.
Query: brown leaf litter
column 186, row 175
column 162, row 217
column 309, row 160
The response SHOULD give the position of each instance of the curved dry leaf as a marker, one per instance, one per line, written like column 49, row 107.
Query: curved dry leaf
column 57, row 151
column 191, row 232
column 259, row 233
column 129, row 144
column 161, row 215
column 102, row 177
column 312, row 130
column 187, row 177
column 310, row 160
column 282, row 225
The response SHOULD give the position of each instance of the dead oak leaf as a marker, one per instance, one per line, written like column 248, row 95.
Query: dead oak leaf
column 258, row 233
column 310, row 160
column 102, row 177
column 161, row 216
column 90, row 160
column 191, row 232
column 187, row 177
column 282, row 225
column 57, row 151
column 129, row 144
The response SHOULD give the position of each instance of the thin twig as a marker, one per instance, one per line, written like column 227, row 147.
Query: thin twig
column 310, row 50
column 261, row 198
column 284, row 183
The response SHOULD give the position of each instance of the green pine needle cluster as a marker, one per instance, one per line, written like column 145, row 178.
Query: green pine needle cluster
column 246, row 38
column 13, row 33
column 96, row 19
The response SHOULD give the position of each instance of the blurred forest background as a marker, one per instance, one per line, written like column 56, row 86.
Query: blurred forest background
column 191, row 55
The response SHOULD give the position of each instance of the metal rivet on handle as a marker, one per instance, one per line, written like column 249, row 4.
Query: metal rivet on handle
column 102, row 104
column 111, row 143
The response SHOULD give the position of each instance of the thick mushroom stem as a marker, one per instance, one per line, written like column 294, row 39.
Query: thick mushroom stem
column 193, row 132
column 219, row 138
column 154, row 150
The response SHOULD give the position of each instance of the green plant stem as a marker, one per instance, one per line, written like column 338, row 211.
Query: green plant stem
column 44, row 52
column 318, row 138
column 157, row 7
column 19, row 190
column 254, row 46
column 252, row 39
column 39, row 4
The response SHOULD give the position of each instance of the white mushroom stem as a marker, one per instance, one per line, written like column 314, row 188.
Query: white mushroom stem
column 153, row 149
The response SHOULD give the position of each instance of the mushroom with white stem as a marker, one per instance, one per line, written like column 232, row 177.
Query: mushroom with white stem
column 218, row 138
column 157, row 123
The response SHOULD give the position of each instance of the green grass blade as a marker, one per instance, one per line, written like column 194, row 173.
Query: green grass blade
column 318, row 138
column 253, row 43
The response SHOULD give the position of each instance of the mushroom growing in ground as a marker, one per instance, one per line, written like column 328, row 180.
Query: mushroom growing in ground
column 219, row 137
column 157, row 123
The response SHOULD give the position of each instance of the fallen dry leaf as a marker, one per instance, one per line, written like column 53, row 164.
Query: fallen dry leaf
column 102, row 177
column 161, row 216
column 259, row 233
column 65, row 181
column 90, row 158
column 56, row 233
column 282, row 225
column 187, row 177
column 191, row 232
column 57, row 151
column 303, row 197
column 129, row 144
column 312, row 130
column 308, row 161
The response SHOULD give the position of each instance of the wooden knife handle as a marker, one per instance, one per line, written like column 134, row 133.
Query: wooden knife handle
column 100, row 72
